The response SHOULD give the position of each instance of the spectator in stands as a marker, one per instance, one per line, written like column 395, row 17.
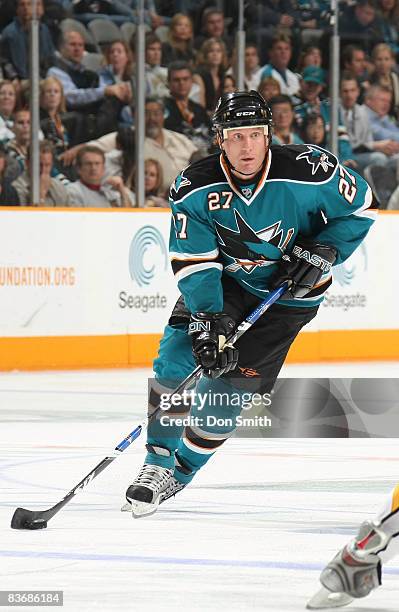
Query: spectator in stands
column 269, row 88
column 184, row 115
column 384, row 61
column 365, row 150
column 8, row 193
column 378, row 102
column 359, row 24
column 156, row 75
column 213, row 26
column 119, row 69
column 314, row 130
column 310, row 56
column 93, row 189
column 52, row 191
column 118, row 64
column 15, row 43
column 252, row 68
column 154, row 194
column 17, row 148
column 179, row 46
column 117, row 11
column 212, row 64
column 312, row 85
column 173, row 150
column 8, row 103
column 354, row 60
column 99, row 103
column 229, row 84
column 283, row 119
column 383, row 180
column 52, row 116
column 280, row 56
column 388, row 13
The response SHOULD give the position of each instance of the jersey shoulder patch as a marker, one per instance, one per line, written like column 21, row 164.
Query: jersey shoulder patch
column 306, row 163
column 202, row 173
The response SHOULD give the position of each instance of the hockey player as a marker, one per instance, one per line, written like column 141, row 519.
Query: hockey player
column 234, row 215
column 356, row 570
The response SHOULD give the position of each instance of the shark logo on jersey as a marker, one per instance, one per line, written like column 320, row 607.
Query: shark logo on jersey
column 317, row 159
column 250, row 249
column 180, row 181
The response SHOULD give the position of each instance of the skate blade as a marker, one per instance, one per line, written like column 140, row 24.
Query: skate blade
column 141, row 509
column 325, row 599
column 126, row 507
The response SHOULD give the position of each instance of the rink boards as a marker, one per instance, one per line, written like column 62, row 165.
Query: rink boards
column 89, row 288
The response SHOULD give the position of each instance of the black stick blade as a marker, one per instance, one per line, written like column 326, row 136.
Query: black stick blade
column 27, row 519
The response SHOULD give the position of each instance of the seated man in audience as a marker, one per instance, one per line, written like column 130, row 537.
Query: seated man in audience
column 15, row 42
column 385, row 131
column 354, row 60
column 182, row 114
column 93, row 189
column 283, row 120
column 171, row 149
column 156, row 75
column 213, row 26
column 52, row 191
column 101, row 103
column 17, row 148
column 365, row 150
column 279, row 57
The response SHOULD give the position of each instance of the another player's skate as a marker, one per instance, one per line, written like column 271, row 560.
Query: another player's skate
column 354, row 571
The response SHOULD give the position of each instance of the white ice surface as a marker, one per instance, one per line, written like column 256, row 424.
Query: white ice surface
column 252, row 532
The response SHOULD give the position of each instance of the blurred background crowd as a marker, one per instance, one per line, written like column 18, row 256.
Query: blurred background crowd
column 88, row 84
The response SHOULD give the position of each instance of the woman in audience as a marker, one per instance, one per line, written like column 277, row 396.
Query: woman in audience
column 180, row 41
column 314, row 130
column 384, row 74
column 153, row 184
column 119, row 64
column 212, row 63
column 229, row 84
column 52, row 116
column 8, row 103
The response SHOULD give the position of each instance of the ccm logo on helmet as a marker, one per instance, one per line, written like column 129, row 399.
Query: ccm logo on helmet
column 245, row 113
column 313, row 259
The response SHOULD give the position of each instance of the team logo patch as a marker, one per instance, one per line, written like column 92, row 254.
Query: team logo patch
column 317, row 159
column 180, row 181
column 246, row 192
column 249, row 249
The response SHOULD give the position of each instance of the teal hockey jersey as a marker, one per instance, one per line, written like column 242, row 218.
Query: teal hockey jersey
column 221, row 226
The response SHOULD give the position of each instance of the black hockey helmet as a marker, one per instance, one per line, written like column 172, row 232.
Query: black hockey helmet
column 241, row 109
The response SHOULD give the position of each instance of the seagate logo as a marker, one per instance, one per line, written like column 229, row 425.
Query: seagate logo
column 147, row 255
column 345, row 273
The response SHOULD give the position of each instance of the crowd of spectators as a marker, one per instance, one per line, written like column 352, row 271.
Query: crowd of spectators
column 88, row 85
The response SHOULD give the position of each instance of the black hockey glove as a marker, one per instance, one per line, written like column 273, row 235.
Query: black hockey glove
column 303, row 267
column 208, row 333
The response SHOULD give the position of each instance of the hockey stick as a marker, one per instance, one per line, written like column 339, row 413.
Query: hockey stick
column 37, row 519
